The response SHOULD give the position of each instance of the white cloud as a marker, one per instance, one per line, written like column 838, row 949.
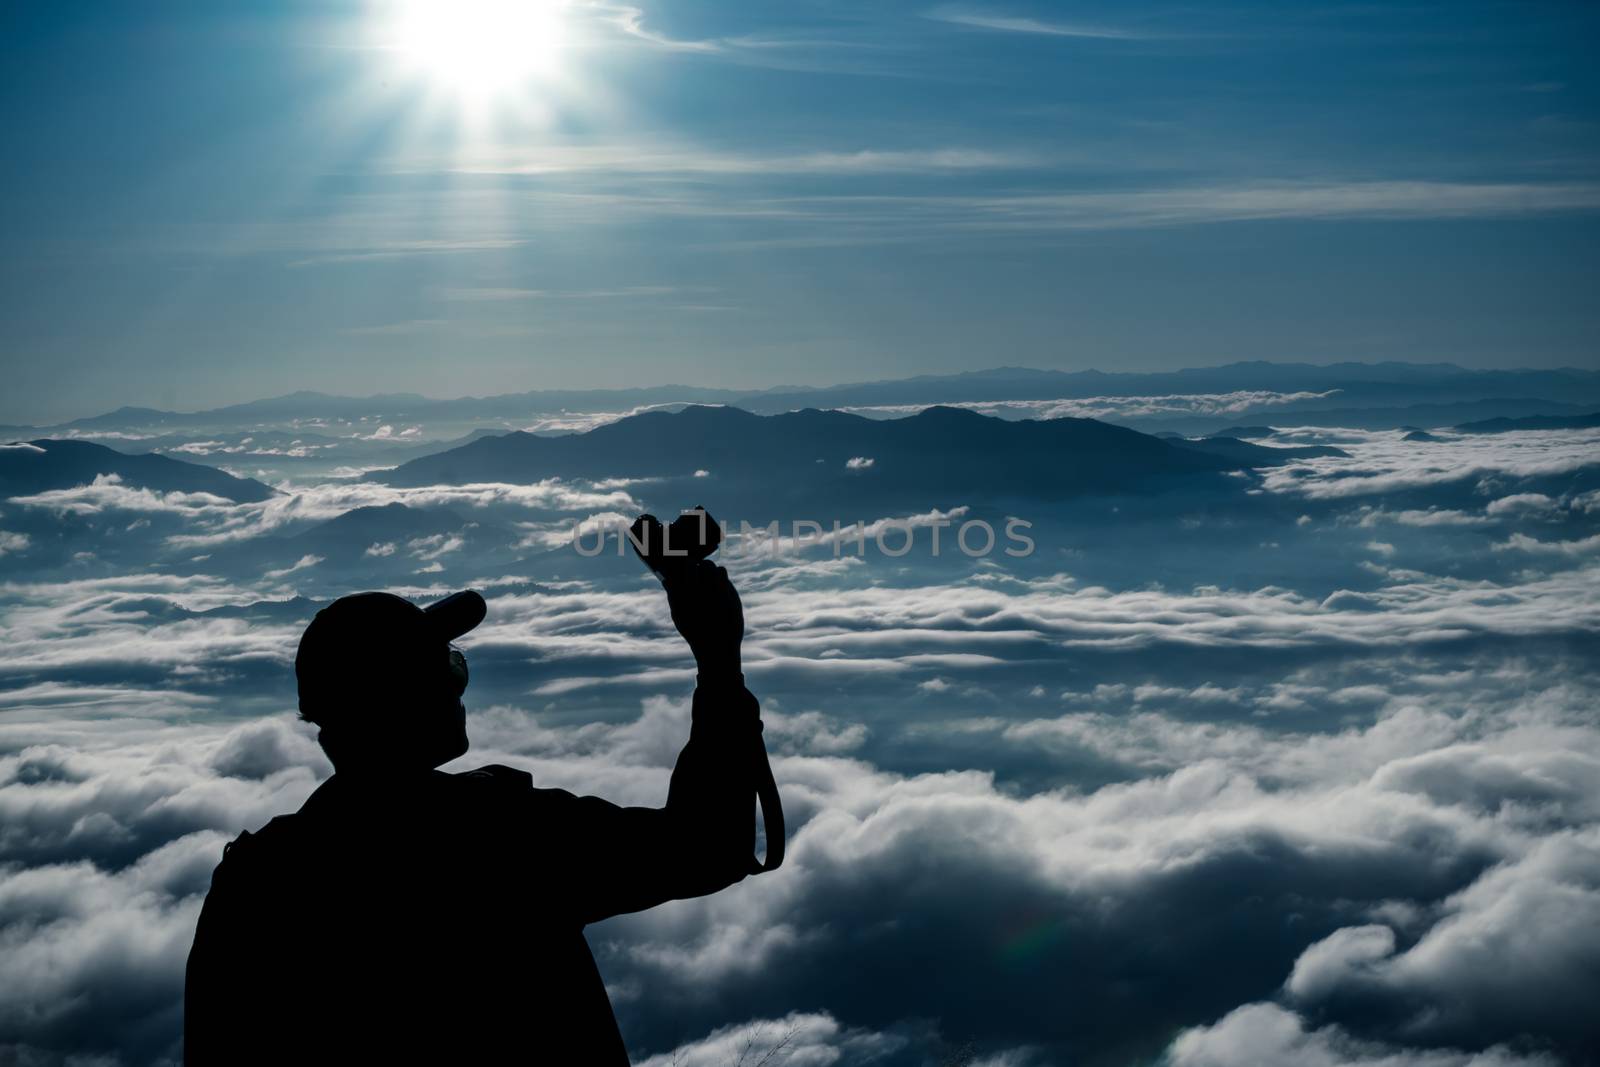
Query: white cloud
column 435, row 545
column 1266, row 1035
column 1323, row 966
column 1381, row 463
column 1535, row 504
column 107, row 493
column 813, row 1039
column 1519, row 542
column 305, row 505
column 1519, row 943
column 304, row 562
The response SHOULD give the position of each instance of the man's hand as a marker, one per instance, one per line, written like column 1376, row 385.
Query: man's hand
column 707, row 612
column 705, row 606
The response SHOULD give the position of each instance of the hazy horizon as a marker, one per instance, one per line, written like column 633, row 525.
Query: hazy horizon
column 778, row 387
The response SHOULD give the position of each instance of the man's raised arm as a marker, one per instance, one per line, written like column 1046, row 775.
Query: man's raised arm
column 703, row 839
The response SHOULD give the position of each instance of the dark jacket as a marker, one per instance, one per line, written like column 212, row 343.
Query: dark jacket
column 440, row 916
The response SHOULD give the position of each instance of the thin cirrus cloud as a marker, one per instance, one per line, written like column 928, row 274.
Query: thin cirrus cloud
column 403, row 249
column 1266, row 201
column 631, row 21
column 983, row 19
column 643, row 159
column 748, row 191
column 787, row 49
column 487, row 294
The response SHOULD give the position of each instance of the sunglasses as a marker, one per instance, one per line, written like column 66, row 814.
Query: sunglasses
column 458, row 670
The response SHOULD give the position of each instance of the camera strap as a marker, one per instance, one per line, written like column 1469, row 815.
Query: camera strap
column 771, row 810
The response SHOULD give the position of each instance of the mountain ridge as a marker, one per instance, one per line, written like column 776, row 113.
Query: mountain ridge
column 45, row 464
column 841, row 455
column 995, row 384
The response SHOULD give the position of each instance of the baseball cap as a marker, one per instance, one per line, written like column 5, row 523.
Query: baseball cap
column 378, row 646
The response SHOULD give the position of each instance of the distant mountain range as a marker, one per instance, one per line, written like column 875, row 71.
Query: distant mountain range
column 1366, row 383
column 1385, row 417
column 1355, row 387
column 1533, row 422
column 31, row 467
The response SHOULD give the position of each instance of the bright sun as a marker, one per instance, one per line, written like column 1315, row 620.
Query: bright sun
column 480, row 48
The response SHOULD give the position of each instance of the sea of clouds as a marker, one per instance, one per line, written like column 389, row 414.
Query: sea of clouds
column 1309, row 778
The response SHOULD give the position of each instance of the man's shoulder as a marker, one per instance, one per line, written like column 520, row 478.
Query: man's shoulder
column 512, row 791
column 247, row 856
column 496, row 776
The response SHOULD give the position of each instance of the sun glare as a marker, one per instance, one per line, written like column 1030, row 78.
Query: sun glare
column 480, row 48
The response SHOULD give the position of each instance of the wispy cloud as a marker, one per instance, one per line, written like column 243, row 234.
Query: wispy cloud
column 749, row 189
column 765, row 49
column 630, row 20
column 299, row 565
column 636, row 159
column 404, row 250
column 396, row 329
column 492, row 294
column 990, row 20
column 1263, row 201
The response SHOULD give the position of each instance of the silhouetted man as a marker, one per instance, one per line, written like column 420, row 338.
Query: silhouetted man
column 409, row 915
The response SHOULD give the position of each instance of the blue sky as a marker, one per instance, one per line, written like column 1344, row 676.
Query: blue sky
column 206, row 203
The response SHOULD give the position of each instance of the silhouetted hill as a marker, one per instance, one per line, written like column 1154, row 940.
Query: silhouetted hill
column 940, row 450
column 43, row 465
column 293, row 609
column 1532, row 422
column 124, row 416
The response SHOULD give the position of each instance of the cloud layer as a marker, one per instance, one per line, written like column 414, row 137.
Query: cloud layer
column 1330, row 802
